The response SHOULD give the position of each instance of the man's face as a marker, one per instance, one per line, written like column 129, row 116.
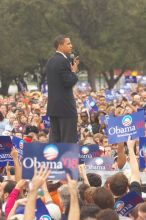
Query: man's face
column 66, row 47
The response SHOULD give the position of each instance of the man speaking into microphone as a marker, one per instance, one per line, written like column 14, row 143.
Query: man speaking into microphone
column 61, row 77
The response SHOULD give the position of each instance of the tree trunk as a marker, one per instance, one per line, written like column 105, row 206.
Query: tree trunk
column 5, row 83
column 110, row 79
column 92, row 79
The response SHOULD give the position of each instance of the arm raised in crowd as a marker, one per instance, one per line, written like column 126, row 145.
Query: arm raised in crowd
column 83, row 175
column 74, row 211
column 121, row 160
column 17, row 166
column 46, row 193
column 135, row 174
column 13, row 197
column 37, row 181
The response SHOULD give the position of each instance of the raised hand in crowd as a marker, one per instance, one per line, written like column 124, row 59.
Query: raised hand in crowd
column 12, row 198
column 82, row 173
column 17, row 166
column 40, row 176
column 135, row 173
column 74, row 211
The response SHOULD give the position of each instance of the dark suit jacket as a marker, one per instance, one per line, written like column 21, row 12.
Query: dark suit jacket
column 60, row 79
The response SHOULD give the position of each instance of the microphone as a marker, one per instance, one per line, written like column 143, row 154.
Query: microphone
column 72, row 57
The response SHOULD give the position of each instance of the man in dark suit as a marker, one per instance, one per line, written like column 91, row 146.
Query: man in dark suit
column 61, row 77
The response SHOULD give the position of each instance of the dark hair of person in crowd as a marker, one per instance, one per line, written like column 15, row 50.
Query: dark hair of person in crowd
column 81, row 189
column 68, row 207
column 1, row 116
column 118, row 184
column 94, row 122
column 53, row 186
column 88, row 195
column 1, row 178
column 107, row 214
column 94, row 179
column 103, row 198
column 89, row 211
column 31, row 129
column 59, row 40
column 9, row 186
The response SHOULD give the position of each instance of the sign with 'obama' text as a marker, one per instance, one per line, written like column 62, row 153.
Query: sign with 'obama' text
column 109, row 95
column 142, row 153
column 46, row 121
column 60, row 159
column 119, row 128
column 5, row 150
column 103, row 163
column 90, row 104
column 127, row 203
column 88, row 152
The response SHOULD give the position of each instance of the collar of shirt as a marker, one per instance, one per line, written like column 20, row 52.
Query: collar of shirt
column 61, row 53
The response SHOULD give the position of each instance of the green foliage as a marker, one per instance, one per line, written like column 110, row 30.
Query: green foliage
column 107, row 34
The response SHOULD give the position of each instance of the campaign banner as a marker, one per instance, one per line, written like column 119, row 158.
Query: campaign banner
column 142, row 153
column 130, row 79
column 60, row 159
column 127, row 203
column 41, row 212
column 46, row 121
column 88, row 151
column 18, row 144
column 120, row 128
column 100, row 163
column 44, row 88
column 5, row 150
column 109, row 95
column 142, row 109
column 90, row 104
column 104, row 119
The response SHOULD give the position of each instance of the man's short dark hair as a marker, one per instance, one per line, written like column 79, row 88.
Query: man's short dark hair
column 59, row 40
column 107, row 214
column 103, row 198
column 94, row 179
column 90, row 211
column 118, row 184
column 9, row 186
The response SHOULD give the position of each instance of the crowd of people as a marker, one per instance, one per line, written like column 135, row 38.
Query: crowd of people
column 88, row 198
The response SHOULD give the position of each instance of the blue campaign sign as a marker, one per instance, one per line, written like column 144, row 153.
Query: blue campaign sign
column 18, row 144
column 41, row 211
column 104, row 119
column 142, row 152
column 88, row 151
column 46, row 121
column 99, row 163
column 126, row 204
column 5, row 150
column 44, row 88
column 119, row 128
column 130, row 79
column 90, row 104
column 142, row 109
column 109, row 95
column 60, row 159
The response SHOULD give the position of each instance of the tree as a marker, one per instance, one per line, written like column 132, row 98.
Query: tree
column 107, row 35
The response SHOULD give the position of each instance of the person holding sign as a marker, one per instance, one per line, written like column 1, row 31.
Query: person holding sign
column 61, row 77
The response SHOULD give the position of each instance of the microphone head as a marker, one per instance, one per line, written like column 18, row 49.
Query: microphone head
column 72, row 57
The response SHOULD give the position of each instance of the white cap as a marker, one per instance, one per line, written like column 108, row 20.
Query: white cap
column 54, row 211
